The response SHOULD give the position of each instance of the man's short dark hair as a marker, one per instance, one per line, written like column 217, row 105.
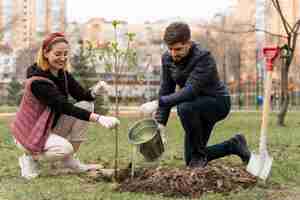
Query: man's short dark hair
column 177, row 32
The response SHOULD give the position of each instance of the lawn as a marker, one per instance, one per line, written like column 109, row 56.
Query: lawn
column 7, row 109
column 284, row 146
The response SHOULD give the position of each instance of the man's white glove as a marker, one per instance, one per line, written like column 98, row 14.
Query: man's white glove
column 149, row 107
column 162, row 131
column 108, row 122
column 100, row 88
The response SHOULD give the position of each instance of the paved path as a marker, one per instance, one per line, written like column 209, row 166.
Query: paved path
column 7, row 114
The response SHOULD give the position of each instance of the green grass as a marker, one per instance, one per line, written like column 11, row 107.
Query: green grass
column 7, row 109
column 284, row 146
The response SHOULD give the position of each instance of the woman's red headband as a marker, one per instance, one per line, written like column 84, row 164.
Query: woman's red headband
column 51, row 38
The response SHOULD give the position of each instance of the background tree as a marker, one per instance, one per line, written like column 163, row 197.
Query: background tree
column 288, row 48
column 80, row 62
column 228, row 56
column 25, row 57
column 84, row 69
column 15, row 92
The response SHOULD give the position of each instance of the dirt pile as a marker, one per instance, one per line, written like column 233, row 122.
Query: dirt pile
column 179, row 182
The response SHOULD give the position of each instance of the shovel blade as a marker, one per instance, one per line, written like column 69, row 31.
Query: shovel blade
column 260, row 165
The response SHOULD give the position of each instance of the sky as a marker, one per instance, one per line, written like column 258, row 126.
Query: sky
column 136, row 11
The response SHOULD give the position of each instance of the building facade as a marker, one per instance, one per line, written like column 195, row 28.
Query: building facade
column 243, row 17
column 24, row 21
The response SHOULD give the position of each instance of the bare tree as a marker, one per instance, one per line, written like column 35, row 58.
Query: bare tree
column 288, row 52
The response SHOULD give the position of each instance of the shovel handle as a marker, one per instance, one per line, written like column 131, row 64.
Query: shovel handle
column 270, row 53
column 265, row 112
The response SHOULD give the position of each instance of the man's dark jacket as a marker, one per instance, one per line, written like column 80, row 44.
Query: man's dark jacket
column 196, row 75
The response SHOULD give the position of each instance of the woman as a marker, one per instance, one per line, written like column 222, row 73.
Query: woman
column 47, row 126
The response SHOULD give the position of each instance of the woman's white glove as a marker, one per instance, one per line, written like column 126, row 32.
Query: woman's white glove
column 100, row 88
column 162, row 131
column 107, row 121
column 149, row 107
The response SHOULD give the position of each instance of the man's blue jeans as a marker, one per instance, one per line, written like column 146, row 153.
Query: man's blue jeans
column 198, row 118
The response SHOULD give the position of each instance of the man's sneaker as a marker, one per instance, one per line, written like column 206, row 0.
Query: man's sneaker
column 198, row 163
column 241, row 147
column 29, row 167
column 77, row 166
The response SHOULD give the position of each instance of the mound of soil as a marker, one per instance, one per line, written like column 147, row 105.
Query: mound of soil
column 180, row 182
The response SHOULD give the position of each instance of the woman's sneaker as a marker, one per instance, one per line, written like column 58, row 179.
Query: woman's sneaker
column 29, row 167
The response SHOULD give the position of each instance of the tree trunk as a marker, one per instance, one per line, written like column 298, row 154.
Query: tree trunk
column 284, row 97
column 116, row 130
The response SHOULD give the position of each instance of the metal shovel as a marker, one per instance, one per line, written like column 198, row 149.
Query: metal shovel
column 260, row 164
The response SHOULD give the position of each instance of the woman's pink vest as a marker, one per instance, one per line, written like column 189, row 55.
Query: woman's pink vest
column 33, row 120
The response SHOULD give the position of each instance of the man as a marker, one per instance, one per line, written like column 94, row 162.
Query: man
column 201, row 101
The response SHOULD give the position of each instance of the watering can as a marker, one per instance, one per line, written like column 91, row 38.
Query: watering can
column 145, row 134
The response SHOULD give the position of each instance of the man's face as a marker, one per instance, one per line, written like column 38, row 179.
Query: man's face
column 179, row 50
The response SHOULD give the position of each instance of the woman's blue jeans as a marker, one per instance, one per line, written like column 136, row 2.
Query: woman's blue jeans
column 198, row 118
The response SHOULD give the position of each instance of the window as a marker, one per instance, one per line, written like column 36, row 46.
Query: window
column 6, row 70
column 6, row 61
column 5, row 75
column 56, row 14
column 41, row 13
column 7, row 18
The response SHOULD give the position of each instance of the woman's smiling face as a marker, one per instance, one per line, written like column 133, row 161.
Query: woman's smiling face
column 57, row 56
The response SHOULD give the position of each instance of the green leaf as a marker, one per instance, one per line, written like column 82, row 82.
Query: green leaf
column 108, row 67
column 130, row 36
column 115, row 23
